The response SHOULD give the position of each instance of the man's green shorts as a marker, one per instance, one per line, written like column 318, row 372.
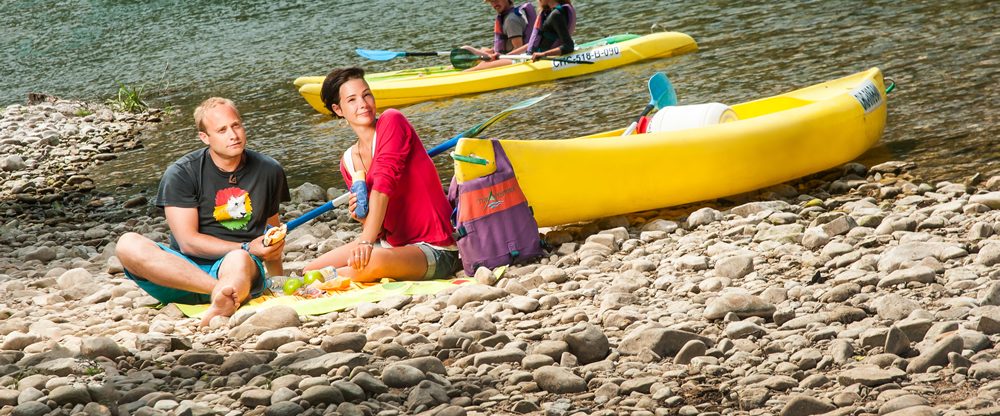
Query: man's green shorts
column 170, row 295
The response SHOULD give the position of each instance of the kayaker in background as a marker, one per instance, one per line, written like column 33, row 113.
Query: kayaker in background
column 511, row 29
column 552, row 34
column 407, row 233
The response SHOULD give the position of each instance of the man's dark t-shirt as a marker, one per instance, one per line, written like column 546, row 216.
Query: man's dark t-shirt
column 231, row 212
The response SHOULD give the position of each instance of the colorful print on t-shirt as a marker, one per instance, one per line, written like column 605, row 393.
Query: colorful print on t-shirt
column 232, row 208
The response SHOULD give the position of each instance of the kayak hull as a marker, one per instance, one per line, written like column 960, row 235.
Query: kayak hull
column 401, row 90
column 777, row 139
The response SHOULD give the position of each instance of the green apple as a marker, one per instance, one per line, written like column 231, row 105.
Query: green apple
column 313, row 276
column 291, row 285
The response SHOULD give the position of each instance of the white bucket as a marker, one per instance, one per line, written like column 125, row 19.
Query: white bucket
column 684, row 117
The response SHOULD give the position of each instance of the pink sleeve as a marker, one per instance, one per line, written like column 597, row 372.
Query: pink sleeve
column 393, row 135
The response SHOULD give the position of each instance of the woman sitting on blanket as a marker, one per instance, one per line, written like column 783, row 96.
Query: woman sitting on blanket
column 407, row 234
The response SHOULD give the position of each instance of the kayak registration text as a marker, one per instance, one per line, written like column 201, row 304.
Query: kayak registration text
column 593, row 55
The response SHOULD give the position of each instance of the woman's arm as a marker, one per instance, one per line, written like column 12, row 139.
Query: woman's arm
column 378, row 202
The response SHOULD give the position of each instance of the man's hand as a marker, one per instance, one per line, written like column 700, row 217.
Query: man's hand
column 266, row 253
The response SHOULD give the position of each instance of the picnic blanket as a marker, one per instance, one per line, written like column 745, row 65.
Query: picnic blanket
column 341, row 296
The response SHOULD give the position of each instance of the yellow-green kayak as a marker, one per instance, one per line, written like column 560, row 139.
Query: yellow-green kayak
column 399, row 88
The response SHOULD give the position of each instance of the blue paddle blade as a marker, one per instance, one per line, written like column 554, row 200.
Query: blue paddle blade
column 661, row 93
column 378, row 55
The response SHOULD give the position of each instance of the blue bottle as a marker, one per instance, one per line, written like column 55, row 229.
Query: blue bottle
column 360, row 190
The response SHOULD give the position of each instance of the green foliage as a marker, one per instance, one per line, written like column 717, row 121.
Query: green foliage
column 83, row 112
column 129, row 99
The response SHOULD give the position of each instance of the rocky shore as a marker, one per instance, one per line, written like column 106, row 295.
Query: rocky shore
column 856, row 291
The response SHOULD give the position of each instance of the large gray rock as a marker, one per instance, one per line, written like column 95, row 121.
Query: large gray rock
column 323, row 364
column 75, row 394
column 239, row 361
column 275, row 338
column 895, row 257
column 937, row 354
column 426, row 364
column 870, row 376
column 991, row 199
column 989, row 255
column 902, row 402
column 93, row 347
column 894, row 307
column 43, row 254
column 803, row 405
column 587, row 342
column 350, row 341
column 921, row 274
column 504, row 355
column 661, row 341
column 274, row 317
column 742, row 304
column 308, row 192
column 31, row 409
column 788, row 233
column 12, row 163
column 473, row 293
column 703, row 216
column 751, row 208
column 323, row 395
column 558, row 380
column 425, row 396
column 402, row 376
column 734, row 267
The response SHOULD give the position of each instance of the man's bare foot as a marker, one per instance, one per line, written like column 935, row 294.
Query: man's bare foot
column 224, row 303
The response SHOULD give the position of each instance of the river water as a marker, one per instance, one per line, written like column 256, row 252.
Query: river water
column 943, row 55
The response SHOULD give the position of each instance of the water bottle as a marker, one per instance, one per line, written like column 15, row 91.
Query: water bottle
column 360, row 190
column 329, row 273
column 276, row 284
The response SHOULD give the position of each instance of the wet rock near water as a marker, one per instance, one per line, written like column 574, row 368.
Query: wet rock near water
column 853, row 291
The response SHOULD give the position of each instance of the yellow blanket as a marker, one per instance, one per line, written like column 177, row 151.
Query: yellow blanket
column 338, row 300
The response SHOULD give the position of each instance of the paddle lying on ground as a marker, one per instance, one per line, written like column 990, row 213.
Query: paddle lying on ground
column 462, row 58
column 380, row 55
column 472, row 132
column 661, row 95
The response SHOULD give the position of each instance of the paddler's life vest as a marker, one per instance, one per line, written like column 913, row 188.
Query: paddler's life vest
column 525, row 11
column 536, row 36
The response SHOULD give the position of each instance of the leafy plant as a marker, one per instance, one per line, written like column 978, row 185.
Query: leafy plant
column 129, row 99
column 83, row 112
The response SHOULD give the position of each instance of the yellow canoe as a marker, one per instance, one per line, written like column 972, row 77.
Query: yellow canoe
column 396, row 91
column 776, row 139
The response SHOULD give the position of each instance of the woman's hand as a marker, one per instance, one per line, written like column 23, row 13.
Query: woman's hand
column 536, row 56
column 361, row 254
column 352, row 205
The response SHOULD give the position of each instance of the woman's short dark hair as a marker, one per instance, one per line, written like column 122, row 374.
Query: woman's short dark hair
column 331, row 85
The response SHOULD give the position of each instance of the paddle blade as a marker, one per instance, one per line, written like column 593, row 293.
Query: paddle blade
column 473, row 132
column 661, row 92
column 463, row 59
column 379, row 55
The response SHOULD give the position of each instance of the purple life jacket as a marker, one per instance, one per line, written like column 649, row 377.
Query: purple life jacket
column 525, row 11
column 494, row 225
column 536, row 35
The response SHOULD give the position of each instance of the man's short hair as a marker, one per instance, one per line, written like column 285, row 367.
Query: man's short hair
column 208, row 104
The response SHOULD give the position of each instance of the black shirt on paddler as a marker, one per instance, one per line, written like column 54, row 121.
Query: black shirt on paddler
column 229, row 211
